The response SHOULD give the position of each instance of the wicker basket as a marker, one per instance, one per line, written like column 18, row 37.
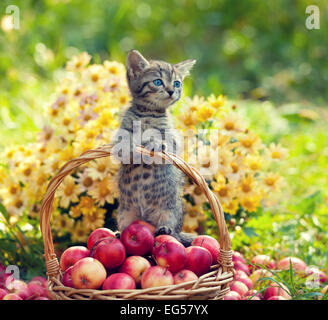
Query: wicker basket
column 212, row 285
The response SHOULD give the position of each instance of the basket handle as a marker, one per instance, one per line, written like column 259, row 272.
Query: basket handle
column 52, row 265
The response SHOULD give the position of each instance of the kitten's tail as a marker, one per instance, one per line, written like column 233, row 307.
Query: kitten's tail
column 186, row 238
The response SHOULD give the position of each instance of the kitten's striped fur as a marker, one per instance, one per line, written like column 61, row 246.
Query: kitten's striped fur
column 152, row 192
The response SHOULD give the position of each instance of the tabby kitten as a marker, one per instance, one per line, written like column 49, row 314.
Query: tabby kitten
column 152, row 192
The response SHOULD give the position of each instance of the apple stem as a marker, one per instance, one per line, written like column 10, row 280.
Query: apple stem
column 202, row 242
column 166, row 268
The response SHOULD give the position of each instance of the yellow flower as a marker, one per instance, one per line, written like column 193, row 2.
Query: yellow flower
column 272, row 181
column 79, row 62
column 68, row 192
column 216, row 102
column 253, row 162
column 231, row 207
column 205, row 112
column 62, row 224
column 276, row 152
column 231, row 123
column 104, row 191
column 250, row 142
column 250, row 203
column 79, row 233
column 94, row 219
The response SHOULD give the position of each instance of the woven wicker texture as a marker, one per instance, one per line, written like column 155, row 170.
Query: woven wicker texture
column 212, row 285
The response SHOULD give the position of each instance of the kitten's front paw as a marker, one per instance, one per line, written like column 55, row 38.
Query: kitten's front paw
column 163, row 230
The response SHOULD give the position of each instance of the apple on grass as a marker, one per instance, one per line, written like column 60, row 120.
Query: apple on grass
column 3, row 292
column 247, row 281
column 119, row 280
column 314, row 273
column 88, row 273
column 110, row 252
column 199, row 260
column 276, row 289
column 12, row 296
column 71, row 255
column 37, row 289
column 99, row 234
column 185, row 276
column 277, row 298
column 135, row 266
column 137, row 239
column 239, row 287
column 263, row 260
column 172, row 255
column 160, row 239
column 232, row 295
column 156, row 276
column 297, row 264
column 260, row 273
column 238, row 265
column 237, row 256
column 209, row 243
column 20, row 288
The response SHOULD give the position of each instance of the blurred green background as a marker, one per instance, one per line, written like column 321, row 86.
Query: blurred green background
column 244, row 49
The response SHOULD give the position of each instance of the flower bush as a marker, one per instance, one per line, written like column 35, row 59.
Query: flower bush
column 84, row 113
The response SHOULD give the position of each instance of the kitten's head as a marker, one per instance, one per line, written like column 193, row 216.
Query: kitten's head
column 155, row 84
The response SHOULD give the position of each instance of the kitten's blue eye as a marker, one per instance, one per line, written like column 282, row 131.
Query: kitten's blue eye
column 158, row 82
column 177, row 84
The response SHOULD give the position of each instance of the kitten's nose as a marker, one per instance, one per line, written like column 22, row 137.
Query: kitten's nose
column 170, row 92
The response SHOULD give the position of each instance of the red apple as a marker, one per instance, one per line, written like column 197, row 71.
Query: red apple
column 232, row 295
column 172, row 255
column 242, row 266
column 254, row 293
column 43, row 281
column 71, row 255
column 37, row 289
column 135, row 266
column 237, row 256
column 185, row 276
column 239, row 287
column 137, row 239
column 160, row 239
column 67, row 277
column 277, row 298
column 99, row 234
column 12, row 296
column 19, row 288
column 314, row 273
column 42, row 298
column 240, row 274
column 251, row 298
column 110, row 252
column 119, row 281
column 155, row 277
column 3, row 292
column 297, row 264
column 263, row 260
column 88, row 273
column 276, row 290
column 209, row 243
column 260, row 273
column 247, row 281
column 7, row 278
column 199, row 260
column 144, row 223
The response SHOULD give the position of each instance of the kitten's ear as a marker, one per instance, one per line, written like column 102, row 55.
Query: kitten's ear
column 184, row 67
column 136, row 63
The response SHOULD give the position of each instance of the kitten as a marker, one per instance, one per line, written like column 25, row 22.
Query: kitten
column 152, row 192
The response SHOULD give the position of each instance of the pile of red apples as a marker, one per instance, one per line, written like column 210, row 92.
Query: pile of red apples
column 15, row 289
column 137, row 259
column 249, row 276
